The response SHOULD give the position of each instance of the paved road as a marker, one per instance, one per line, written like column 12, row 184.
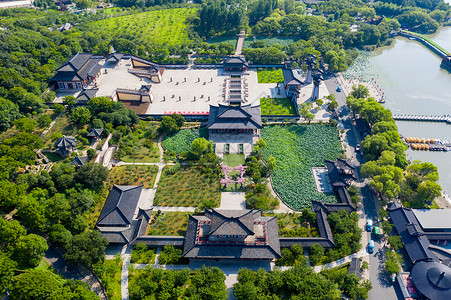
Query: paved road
column 382, row 288
column 57, row 262
column 239, row 44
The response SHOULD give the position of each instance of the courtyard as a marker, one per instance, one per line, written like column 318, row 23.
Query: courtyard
column 190, row 91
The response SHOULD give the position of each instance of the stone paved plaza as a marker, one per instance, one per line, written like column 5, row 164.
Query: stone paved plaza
column 185, row 90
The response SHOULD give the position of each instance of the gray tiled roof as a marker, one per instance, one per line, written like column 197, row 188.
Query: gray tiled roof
column 66, row 142
column 117, row 235
column 96, row 132
column 120, row 206
column 235, row 61
column 231, row 222
column 336, row 177
column 414, row 241
column 79, row 161
column 233, row 250
column 234, row 117
column 114, row 57
column 87, row 95
column 78, row 67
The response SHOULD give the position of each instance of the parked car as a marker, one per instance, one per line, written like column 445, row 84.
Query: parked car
column 357, row 148
column 371, row 246
column 369, row 225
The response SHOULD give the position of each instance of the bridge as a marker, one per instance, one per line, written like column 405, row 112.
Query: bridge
column 423, row 118
column 444, row 54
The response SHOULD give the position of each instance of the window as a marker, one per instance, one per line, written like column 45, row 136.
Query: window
column 60, row 85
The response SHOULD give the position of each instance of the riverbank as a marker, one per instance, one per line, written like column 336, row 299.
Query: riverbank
column 410, row 77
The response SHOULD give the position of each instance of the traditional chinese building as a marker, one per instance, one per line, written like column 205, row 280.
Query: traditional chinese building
column 244, row 119
column 78, row 72
column 65, row 145
column 232, row 234
column 235, row 64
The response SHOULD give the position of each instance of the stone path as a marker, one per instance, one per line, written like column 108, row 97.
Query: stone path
column 239, row 44
column 57, row 262
column 175, row 208
column 51, row 124
column 233, row 200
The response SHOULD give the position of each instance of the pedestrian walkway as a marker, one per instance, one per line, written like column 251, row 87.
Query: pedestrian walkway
column 51, row 125
column 174, row 208
column 240, row 42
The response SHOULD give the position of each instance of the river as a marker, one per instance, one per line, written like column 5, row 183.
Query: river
column 412, row 81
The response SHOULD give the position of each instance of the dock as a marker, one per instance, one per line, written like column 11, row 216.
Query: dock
column 423, row 118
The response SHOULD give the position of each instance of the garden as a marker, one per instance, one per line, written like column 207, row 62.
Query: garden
column 142, row 254
column 182, row 140
column 152, row 283
column 273, row 75
column 109, row 272
column 134, row 175
column 187, row 186
column 277, row 106
column 298, row 148
column 64, row 126
column 167, row 27
column 167, row 223
column 143, row 151
column 297, row 225
column 269, row 41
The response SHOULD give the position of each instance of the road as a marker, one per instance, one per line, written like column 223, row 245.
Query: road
column 382, row 287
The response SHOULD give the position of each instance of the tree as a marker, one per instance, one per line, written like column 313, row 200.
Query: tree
column 168, row 125
column 10, row 232
column 271, row 163
column 360, row 91
column 179, row 120
column 44, row 121
column 34, row 284
column 333, row 105
column 395, row 242
column 25, row 125
column 392, row 262
column 7, row 269
column 170, row 255
column 100, row 104
column 60, row 236
column 428, row 190
column 81, row 115
column 74, row 289
column 32, row 214
column 86, row 248
column 209, row 283
column 91, row 175
column 200, row 146
column 29, row 248
column 9, row 113
column 92, row 153
column 58, row 108
column 316, row 254
column 305, row 113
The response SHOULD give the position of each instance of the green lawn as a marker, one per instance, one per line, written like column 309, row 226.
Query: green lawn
column 268, row 41
column 233, row 160
column 297, row 149
column 171, row 223
column 187, row 187
column 162, row 27
column 182, row 140
column 277, row 106
column 223, row 39
column 270, row 75
column 134, row 175
column 53, row 156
